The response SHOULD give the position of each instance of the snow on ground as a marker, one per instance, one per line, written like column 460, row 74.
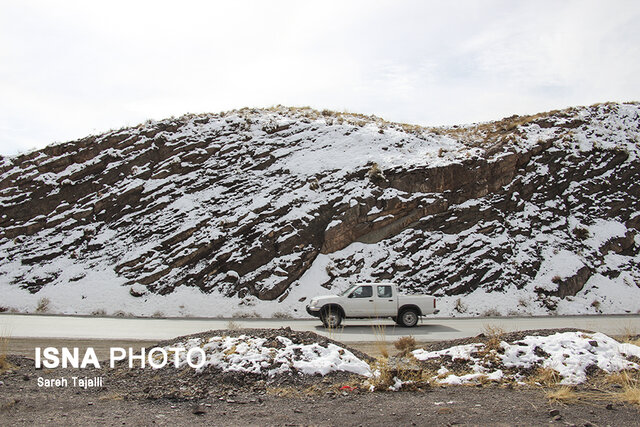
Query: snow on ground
column 570, row 354
column 251, row 355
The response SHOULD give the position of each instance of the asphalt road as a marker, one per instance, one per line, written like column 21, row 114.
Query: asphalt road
column 352, row 331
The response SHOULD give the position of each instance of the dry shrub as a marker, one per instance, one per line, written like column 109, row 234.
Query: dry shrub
column 281, row 315
column 492, row 312
column 232, row 326
column 405, row 344
column 411, row 376
column 375, row 174
column 385, row 377
column 460, row 307
column 563, row 394
column 43, row 305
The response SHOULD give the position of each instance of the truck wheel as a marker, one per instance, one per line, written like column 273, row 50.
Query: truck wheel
column 409, row 318
column 331, row 319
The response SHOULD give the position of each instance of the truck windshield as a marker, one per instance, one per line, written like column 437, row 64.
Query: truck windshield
column 346, row 291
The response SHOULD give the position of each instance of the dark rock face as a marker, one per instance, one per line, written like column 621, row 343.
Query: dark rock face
column 244, row 203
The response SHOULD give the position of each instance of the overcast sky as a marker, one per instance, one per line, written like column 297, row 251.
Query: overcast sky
column 72, row 68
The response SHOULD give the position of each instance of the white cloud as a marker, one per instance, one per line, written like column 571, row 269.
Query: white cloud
column 68, row 69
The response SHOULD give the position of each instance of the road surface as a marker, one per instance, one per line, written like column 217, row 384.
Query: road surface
column 353, row 331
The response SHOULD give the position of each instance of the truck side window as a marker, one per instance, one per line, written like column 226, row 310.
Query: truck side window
column 362, row 292
column 384, row 291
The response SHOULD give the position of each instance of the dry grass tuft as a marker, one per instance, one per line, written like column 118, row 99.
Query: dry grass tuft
column 545, row 376
column 629, row 334
column 630, row 387
column 4, row 348
column 379, row 332
column 621, row 378
column 112, row 396
column 385, row 377
column 412, row 376
column 630, row 394
column 563, row 394
column 493, row 344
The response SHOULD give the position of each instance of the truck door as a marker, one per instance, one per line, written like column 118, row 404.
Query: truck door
column 385, row 302
column 360, row 302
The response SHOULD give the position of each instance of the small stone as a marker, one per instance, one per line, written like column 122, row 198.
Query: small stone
column 593, row 343
column 297, row 411
column 588, row 424
column 1, row 383
column 557, row 417
column 25, row 377
column 90, row 403
column 199, row 410
column 609, row 406
column 554, row 413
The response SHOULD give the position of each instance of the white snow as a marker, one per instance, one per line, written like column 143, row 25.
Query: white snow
column 249, row 354
column 570, row 354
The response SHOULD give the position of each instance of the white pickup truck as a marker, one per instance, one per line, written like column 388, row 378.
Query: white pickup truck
column 367, row 300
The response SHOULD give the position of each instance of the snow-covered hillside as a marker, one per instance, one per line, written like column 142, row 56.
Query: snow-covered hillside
column 254, row 211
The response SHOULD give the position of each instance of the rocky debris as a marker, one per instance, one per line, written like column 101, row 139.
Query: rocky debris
column 240, row 205
column 563, row 357
column 236, row 383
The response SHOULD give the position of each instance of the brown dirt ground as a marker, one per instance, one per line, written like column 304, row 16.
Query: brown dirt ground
column 316, row 401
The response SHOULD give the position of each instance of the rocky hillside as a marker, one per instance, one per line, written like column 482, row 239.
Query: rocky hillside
column 253, row 211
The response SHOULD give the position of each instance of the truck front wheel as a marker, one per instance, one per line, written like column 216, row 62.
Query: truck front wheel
column 331, row 318
column 408, row 318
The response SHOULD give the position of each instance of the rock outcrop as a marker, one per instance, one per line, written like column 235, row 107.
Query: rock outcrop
column 242, row 205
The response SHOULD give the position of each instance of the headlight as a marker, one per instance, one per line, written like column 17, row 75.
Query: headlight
column 313, row 302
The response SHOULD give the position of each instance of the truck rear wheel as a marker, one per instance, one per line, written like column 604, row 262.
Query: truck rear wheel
column 331, row 318
column 408, row 318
